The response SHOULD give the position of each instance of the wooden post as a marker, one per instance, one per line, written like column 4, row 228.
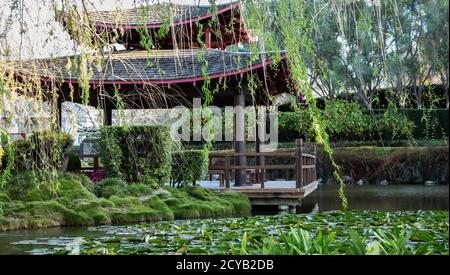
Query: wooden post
column 208, row 38
column 260, row 139
column 299, row 163
column 239, row 135
column 107, row 117
column 60, row 102
column 227, row 172
column 315, row 163
column 96, row 162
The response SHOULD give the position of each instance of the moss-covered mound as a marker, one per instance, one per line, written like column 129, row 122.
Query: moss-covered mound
column 190, row 202
column 29, row 203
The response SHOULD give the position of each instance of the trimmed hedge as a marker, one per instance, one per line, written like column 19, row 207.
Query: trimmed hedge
column 137, row 153
column 189, row 166
column 429, row 123
column 74, row 162
column 348, row 121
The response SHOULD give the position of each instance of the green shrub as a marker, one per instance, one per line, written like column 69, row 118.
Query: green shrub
column 110, row 187
column 20, row 184
column 74, row 162
column 416, row 165
column 43, row 149
column 189, row 166
column 4, row 197
column 137, row 153
column 193, row 202
column 348, row 121
column 82, row 178
column 399, row 165
column 7, row 159
column 139, row 189
column 432, row 123
column 28, row 186
column 2, row 153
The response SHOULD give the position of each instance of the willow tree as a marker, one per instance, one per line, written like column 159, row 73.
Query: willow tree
column 332, row 46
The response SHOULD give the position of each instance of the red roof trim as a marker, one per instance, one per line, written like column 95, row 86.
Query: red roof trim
column 157, row 26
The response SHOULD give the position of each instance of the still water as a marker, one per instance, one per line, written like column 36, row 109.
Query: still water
column 385, row 198
column 378, row 197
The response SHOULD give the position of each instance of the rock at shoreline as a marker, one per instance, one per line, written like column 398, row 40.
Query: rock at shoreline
column 362, row 182
column 384, row 182
column 348, row 180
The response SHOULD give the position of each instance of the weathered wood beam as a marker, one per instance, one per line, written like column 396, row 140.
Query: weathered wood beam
column 208, row 38
column 239, row 134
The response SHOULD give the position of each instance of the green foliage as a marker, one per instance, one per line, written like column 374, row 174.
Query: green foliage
column 74, row 163
column 347, row 121
column 416, row 165
column 110, row 187
column 429, row 123
column 43, row 150
column 28, row 203
column 130, row 209
column 82, row 178
column 189, row 166
column 343, row 233
column 7, row 161
column 193, row 202
column 137, row 153
column 20, row 184
column 27, row 186
column 399, row 165
column 140, row 189
column 110, row 150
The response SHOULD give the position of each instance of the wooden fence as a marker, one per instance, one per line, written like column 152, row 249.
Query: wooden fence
column 96, row 162
column 304, row 165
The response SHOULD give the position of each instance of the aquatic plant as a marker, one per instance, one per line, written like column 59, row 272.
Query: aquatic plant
column 349, row 232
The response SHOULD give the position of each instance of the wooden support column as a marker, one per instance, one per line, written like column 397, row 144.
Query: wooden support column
column 260, row 140
column 239, row 135
column 107, row 114
column 59, row 107
column 208, row 38
column 299, row 163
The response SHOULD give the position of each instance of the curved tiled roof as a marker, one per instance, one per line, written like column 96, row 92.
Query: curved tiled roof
column 159, row 67
column 154, row 16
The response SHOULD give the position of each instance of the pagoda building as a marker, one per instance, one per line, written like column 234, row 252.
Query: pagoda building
column 169, row 53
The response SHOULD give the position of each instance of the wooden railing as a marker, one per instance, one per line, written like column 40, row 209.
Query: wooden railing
column 96, row 164
column 304, row 165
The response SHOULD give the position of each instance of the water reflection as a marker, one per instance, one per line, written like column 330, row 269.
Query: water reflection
column 387, row 198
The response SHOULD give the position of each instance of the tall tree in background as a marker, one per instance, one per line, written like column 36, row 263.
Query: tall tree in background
column 326, row 74
column 362, row 46
column 436, row 42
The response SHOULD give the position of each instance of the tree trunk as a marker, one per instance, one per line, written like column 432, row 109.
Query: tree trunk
column 419, row 97
column 446, row 97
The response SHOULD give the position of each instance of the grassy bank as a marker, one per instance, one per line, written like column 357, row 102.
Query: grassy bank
column 397, row 165
column 76, row 201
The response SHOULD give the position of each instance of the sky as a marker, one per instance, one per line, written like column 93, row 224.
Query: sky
column 43, row 37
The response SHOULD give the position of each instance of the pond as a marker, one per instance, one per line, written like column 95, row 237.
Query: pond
column 378, row 197
column 161, row 237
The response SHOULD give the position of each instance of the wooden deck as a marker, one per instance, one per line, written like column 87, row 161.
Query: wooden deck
column 274, row 193
column 258, row 190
